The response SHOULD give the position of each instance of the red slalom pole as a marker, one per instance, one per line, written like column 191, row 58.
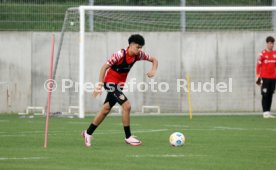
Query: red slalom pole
column 50, row 88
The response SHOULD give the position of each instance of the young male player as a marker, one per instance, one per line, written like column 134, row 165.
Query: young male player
column 266, row 74
column 112, row 77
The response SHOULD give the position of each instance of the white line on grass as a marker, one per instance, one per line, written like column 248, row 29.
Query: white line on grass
column 181, row 126
column 13, row 135
column 135, row 131
column 105, row 132
column 78, row 123
column 37, row 132
column 134, row 124
column 244, row 129
column 229, row 128
column 150, row 130
column 117, row 124
column 22, row 158
column 164, row 156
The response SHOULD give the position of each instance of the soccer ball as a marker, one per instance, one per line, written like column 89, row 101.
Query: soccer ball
column 177, row 139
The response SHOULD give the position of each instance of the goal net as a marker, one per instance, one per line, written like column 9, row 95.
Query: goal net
column 216, row 46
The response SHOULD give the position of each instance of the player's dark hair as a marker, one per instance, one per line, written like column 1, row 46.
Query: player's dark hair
column 136, row 38
column 270, row 39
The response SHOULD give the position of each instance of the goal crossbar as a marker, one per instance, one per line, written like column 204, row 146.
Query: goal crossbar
column 199, row 8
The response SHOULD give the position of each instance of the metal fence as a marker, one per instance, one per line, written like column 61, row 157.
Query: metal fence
column 48, row 15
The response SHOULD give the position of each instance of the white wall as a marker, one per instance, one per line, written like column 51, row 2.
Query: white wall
column 24, row 66
column 15, row 71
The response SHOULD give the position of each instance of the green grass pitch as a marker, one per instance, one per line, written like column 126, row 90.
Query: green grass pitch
column 212, row 143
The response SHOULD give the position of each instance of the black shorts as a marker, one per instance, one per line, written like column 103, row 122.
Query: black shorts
column 268, row 86
column 114, row 94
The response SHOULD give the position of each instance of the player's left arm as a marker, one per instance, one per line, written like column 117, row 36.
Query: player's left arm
column 154, row 66
column 258, row 69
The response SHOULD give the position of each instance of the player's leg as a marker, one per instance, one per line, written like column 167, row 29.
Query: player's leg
column 266, row 98
column 129, row 139
column 102, row 114
column 110, row 101
column 126, row 107
column 271, row 90
column 264, row 93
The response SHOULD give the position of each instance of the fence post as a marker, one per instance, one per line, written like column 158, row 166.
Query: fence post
column 183, row 17
column 91, row 17
column 273, row 16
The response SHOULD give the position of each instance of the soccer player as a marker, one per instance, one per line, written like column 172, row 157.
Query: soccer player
column 266, row 74
column 112, row 77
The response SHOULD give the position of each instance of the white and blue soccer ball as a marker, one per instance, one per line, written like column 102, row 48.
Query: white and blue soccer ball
column 177, row 139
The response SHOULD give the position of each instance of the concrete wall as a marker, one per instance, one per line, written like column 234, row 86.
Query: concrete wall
column 24, row 67
column 15, row 71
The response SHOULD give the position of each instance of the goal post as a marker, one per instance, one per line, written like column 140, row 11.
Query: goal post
column 82, row 65
column 133, row 19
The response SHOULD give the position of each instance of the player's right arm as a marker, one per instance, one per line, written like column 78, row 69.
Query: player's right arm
column 98, row 89
column 153, row 69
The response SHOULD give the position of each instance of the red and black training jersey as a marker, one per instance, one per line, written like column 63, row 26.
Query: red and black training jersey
column 119, row 58
column 266, row 65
